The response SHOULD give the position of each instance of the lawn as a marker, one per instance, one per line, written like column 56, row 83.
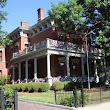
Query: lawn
column 49, row 97
column 46, row 97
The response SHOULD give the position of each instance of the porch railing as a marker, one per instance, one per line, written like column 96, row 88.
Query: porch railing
column 55, row 44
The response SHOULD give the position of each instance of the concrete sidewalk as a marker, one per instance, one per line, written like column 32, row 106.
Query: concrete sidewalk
column 101, row 106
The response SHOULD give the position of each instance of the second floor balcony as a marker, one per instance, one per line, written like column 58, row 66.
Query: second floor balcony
column 57, row 45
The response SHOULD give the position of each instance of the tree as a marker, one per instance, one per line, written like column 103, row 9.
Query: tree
column 3, row 41
column 84, row 17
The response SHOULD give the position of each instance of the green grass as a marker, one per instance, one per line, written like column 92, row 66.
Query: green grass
column 46, row 97
column 49, row 97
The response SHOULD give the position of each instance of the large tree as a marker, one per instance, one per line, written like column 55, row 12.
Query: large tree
column 3, row 40
column 84, row 16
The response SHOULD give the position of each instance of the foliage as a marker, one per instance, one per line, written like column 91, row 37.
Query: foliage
column 8, row 93
column 57, row 86
column 33, row 86
column 24, row 87
column 44, row 87
column 84, row 16
column 68, row 16
column 69, row 101
column 2, row 80
column 3, row 40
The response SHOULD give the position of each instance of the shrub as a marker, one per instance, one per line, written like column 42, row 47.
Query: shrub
column 44, row 87
column 58, row 86
column 69, row 101
column 2, row 80
column 1, row 87
column 24, row 87
column 34, row 86
column 8, row 91
column 18, row 87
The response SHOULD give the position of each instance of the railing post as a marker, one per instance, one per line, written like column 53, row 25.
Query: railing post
column 2, row 101
column 34, row 47
column 55, row 96
column 75, row 97
column 82, row 95
column 15, row 100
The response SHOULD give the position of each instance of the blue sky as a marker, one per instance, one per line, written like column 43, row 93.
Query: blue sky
column 24, row 10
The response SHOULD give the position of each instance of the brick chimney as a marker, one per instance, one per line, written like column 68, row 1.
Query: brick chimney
column 40, row 14
column 24, row 24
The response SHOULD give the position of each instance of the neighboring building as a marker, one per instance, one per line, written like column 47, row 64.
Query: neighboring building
column 44, row 53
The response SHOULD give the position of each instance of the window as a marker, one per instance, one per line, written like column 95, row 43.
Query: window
column 46, row 26
column 0, row 72
column 12, row 51
column 0, row 56
column 41, row 29
column 16, row 48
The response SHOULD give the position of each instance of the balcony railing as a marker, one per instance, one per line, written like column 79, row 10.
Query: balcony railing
column 57, row 45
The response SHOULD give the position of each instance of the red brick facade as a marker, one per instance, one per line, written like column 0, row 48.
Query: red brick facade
column 41, row 51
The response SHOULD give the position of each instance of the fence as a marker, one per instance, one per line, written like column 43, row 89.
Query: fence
column 98, row 95
column 8, row 101
column 82, row 96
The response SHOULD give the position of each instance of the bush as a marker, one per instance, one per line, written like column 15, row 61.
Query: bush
column 69, row 101
column 18, row 87
column 44, row 87
column 24, row 87
column 2, row 80
column 34, row 86
column 8, row 91
column 1, row 87
column 58, row 86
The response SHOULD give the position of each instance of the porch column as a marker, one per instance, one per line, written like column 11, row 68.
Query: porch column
column 13, row 75
column 35, row 69
column 19, row 79
column 83, row 72
column 26, row 70
column 67, row 66
column 95, row 68
column 49, row 78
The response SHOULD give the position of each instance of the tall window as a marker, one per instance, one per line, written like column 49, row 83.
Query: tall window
column 0, row 72
column 0, row 56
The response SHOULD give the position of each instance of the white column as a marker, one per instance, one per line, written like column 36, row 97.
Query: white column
column 67, row 65
column 26, row 70
column 13, row 76
column 48, row 70
column 96, row 75
column 35, row 69
column 19, row 72
column 82, row 65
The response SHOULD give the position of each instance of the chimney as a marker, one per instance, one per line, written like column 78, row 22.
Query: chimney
column 40, row 14
column 24, row 24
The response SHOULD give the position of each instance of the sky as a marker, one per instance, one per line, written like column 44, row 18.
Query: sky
column 24, row 10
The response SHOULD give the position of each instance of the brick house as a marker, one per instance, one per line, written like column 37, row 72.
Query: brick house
column 44, row 53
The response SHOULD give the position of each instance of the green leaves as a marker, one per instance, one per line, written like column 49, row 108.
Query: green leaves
column 67, row 15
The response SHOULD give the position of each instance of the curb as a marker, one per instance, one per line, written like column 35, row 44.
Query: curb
column 47, row 104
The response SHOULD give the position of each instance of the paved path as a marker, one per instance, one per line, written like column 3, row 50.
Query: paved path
column 101, row 106
column 26, row 105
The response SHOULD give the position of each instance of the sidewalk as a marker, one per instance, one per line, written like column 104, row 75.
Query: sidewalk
column 101, row 106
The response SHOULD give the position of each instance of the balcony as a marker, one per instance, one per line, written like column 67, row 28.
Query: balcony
column 56, row 45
